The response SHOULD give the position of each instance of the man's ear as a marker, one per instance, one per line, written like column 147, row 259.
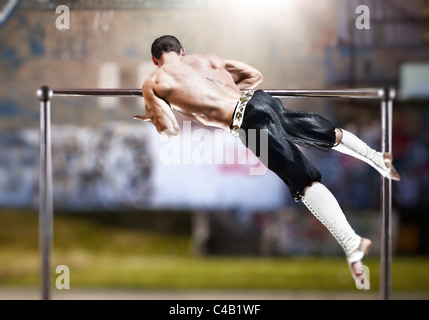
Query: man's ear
column 182, row 52
column 155, row 62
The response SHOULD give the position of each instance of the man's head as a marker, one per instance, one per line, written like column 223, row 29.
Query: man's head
column 165, row 44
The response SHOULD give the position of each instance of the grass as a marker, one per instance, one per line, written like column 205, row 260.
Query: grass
column 154, row 251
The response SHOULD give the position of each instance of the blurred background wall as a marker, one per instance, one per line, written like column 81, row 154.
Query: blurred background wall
column 103, row 159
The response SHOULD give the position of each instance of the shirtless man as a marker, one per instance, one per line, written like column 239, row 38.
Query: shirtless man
column 208, row 89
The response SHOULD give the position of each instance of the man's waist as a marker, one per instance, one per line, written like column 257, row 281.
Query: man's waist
column 238, row 115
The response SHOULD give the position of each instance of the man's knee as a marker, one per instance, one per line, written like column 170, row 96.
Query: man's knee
column 310, row 185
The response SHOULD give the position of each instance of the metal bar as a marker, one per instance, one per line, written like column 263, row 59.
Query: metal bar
column 366, row 93
column 98, row 92
column 369, row 93
column 386, row 198
column 45, row 190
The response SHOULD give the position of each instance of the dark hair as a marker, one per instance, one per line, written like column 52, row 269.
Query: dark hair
column 165, row 44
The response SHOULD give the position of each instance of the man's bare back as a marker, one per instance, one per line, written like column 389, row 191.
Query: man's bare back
column 203, row 87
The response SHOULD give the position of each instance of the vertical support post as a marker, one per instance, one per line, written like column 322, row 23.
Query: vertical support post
column 45, row 189
column 386, row 198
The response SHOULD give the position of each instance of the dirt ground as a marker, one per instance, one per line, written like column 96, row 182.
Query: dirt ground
column 109, row 294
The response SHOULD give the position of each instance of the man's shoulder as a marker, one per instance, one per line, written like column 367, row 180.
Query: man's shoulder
column 155, row 76
column 206, row 58
column 208, row 55
column 151, row 79
column 157, row 82
column 203, row 55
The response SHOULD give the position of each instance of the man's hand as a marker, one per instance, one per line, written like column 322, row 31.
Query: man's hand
column 169, row 131
column 148, row 115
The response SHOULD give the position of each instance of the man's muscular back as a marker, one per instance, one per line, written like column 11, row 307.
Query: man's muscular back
column 203, row 87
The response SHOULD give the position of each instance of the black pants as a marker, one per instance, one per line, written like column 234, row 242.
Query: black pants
column 287, row 129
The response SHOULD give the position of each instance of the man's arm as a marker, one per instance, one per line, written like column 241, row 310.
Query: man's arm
column 158, row 111
column 245, row 76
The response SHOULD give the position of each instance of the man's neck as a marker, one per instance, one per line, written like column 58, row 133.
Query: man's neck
column 169, row 57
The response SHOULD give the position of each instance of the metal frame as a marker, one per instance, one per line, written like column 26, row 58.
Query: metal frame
column 385, row 95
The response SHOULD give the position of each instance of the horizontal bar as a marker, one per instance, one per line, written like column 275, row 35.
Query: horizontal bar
column 98, row 92
column 364, row 93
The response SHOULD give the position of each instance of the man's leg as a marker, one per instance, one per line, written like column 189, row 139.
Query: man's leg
column 323, row 205
column 302, row 178
column 351, row 145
